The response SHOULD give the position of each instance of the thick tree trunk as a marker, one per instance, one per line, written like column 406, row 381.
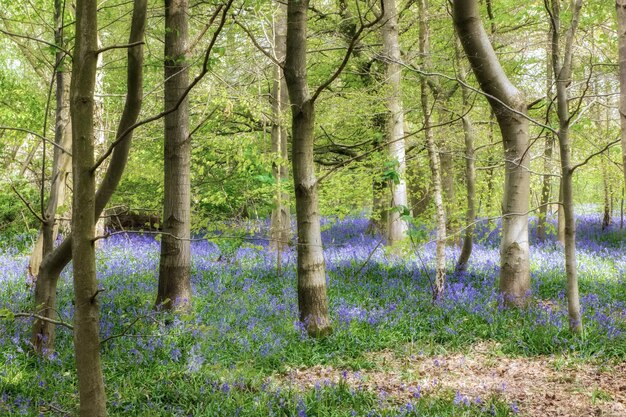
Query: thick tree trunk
column 175, row 263
column 397, row 226
column 43, row 334
column 312, row 295
column 433, row 155
column 546, row 186
column 509, row 107
column 61, row 160
column 620, row 6
column 280, row 227
column 86, row 315
column 562, row 68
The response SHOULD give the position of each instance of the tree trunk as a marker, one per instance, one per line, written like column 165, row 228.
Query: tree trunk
column 280, row 227
column 470, row 174
column 380, row 204
column 433, row 154
column 175, row 263
column 86, row 315
column 380, row 194
column 546, row 186
column 620, row 6
column 100, row 126
column 449, row 193
column 312, row 295
column 397, row 226
column 61, row 160
column 509, row 107
column 43, row 332
column 562, row 68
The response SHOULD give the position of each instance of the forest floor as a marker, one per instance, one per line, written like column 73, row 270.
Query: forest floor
column 547, row 386
column 393, row 352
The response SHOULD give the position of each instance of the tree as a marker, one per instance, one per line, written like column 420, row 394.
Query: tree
column 470, row 171
column 43, row 332
column 562, row 69
column 546, row 186
column 61, row 158
column 620, row 7
column 312, row 295
column 396, row 225
column 174, row 290
column 509, row 107
column 280, row 227
column 86, row 316
column 433, row 155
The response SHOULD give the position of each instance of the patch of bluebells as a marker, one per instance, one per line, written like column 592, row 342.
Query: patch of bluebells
column 245, row 313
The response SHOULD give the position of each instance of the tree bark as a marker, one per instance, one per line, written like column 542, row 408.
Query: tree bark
column 397, row 226
column 61, row 160
column 43, row 332
column 448, row 191
column 606, row 217
column 620, row 7
column 433, row 154
column 470, row 174
column 174, row 291
column 562, row 68
column 546, row 186
column 312, row 294
column 280, row 227
column 86, row 315
column 509, row 107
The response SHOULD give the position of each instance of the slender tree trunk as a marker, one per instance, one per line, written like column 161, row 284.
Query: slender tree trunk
column 175, row 263
column 61, row 160
column 449, row 193
column 397, row 226
column 380, row 203
column 312, row 294
column 280, row 227
column 509, row 107
column 491, row 161
column 620, row 6
column 562, row 68
column 546, row 186
column 380, row 194
column 433, row 154
column 86, row 315
column 470, row 174
column 100, row 126
column 606, row 218
column 43, row 333
column 560, row 213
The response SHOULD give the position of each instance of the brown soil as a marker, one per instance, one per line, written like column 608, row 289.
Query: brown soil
column 539, row 386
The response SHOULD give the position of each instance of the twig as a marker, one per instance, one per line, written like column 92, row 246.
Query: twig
column 53, row 143
column 43, row 318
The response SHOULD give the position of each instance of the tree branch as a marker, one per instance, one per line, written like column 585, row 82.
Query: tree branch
column 129, row 45
column 205, row 70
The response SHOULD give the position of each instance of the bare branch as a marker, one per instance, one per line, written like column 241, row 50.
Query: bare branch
column 42, row 318
column 50, row 141
column 608, row 145
column 129, row 45
column 17, row 35
column 199, row 77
